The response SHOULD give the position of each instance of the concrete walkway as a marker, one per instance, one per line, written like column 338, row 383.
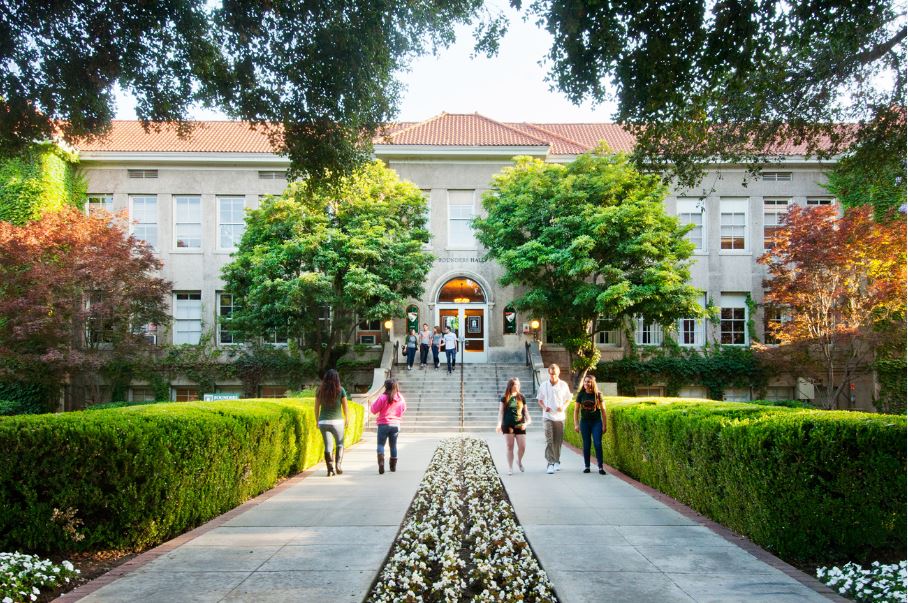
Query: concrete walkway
column 317, row 539
column 600, row 538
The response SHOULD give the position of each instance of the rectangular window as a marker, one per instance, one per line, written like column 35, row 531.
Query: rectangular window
column 733, row 224
column 693, row 212
column 814, row 201
column 272, row 391
column 736, row 394
column 278, row 337
column 225, row 311
column 368, row 332
column 647, row 333
column 772, row 319
column 692, row 331
column 144, row 213
column 142, row 174
column 142, row 394
column 461, row 206
column 774, row 210
column 99, row 202
column 607, row 337
column 693, row 391
column 231, row 221
column 776, row 176
column 187, row 317
column 776, row 393
column 649, row 391
column 733, row 320
column 272, row 175
column 187, row 217
column 185, row 394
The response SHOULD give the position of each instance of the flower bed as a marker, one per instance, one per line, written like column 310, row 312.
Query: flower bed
column 460, row 540
column 879, row 584
column 23, row 576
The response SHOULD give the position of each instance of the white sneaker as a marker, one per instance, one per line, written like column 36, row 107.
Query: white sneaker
column 510, row 472
column 557, row 466
column 550, row 470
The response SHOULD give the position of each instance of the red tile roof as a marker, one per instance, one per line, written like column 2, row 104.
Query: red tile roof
column 206, row 137
column 463, row 130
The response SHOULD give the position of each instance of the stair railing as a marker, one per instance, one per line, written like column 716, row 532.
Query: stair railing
column 462, row 349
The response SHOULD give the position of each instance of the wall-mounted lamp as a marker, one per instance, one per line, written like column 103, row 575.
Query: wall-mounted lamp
column 534, row 324
column 389, row 324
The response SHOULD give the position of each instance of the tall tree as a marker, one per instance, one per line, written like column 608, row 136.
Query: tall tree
column 75, row 291
column 322, row 257
column 841, row 285
column 590, row 241
column 735, row 80
column 319, row 76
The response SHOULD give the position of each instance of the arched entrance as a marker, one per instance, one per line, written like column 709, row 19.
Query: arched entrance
column 462, row 305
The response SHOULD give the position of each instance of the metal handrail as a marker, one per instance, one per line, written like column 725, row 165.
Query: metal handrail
column 462, row 347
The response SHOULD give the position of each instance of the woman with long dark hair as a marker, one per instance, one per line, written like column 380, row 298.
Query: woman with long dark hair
column 513, row 418
column 390, row 408
column 590, row 420
column 332, row 417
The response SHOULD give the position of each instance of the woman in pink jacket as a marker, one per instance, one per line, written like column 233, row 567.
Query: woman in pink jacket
column 390, row 408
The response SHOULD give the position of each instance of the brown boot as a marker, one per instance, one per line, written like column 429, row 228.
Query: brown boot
column 329, row 463
column 381, row 463
column 392, row 463
column 337, row 461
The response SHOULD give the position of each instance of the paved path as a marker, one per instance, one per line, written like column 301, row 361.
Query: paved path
column 319, row 539
column 602, row 539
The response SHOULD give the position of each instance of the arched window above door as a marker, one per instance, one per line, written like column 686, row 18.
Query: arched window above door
column 461, row 290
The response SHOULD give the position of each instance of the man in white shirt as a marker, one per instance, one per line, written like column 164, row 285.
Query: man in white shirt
column 553, row 398
column 450, row 340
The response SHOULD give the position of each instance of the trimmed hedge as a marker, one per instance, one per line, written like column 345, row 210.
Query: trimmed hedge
column 811, row 486
column 129, row 478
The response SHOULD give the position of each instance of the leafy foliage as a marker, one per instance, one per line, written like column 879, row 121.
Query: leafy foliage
column 735, row 80
column 42, row 178
column 810, row 486
column 893, row 376
column 73, row 290
column 842, row 282
column 318, row 76
column 320, row 258
column 589, row 241
column 129, row 478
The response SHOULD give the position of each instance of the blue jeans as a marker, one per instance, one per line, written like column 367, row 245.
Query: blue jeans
column 452, row 359
column 423, row 354
column 591, row 429
column 411, row 356
column 435, row 355
column 389, row 433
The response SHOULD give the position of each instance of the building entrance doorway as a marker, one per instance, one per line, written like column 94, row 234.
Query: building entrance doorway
column 461, row 306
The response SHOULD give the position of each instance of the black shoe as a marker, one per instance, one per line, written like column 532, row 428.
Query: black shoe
column 602, row 471
column 586, row 470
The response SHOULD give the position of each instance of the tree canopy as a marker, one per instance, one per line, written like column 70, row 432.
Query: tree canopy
column 318, row 76
column 735, row 80
column 840, row 283
column 322, row 257
column 591, row 244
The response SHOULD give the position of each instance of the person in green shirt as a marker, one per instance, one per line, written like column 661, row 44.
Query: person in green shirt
column 332, row 417
column 513, row 418
column 589, row 420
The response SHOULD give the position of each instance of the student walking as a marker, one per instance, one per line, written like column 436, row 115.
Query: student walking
column 553, row 398
column 332, row 419
column 450, row 342
column 513, row 419
column 425, row 342
column 411, row 343
column 436, row 343
column 590, row 420
column 390, row 408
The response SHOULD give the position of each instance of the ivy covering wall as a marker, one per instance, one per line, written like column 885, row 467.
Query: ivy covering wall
column 891, row 373
column 44, row 178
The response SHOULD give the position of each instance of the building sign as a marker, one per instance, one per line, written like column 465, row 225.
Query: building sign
column 510, row 319
column 216, row 397
column 412, row 319
column 461, row 260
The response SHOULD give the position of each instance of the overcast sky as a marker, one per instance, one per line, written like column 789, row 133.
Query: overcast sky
column 508, row 87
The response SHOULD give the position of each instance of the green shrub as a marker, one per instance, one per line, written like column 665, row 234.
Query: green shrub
column 129, row 478
column 811, row 486
column 20, row 398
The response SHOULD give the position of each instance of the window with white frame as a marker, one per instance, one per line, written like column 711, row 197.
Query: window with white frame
column 99, row 202
column 607, row 337
column 231, row 221
column 779, row 392
column 693, row 391
column 776, row 176
column 733, row 319
column 187, row 221
column 187, row 317
column 461, row 211
column 144, row 215
column 225, row 312
column 647, row 333
column 276, row 337
column 736, row 394
column 733, row 224
column 692, row 331
column 691, row 211
column 774, row 210
column 815, row 201
column 649, row 391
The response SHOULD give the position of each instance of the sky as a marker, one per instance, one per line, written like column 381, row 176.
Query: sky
column 508, row 87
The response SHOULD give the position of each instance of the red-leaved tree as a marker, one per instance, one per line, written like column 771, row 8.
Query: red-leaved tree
column 840, row 282
column 75, row 293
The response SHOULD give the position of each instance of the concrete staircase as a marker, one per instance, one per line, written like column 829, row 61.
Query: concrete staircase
column 433, row 397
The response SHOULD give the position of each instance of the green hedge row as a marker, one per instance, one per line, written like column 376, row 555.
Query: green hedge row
column 129, row 478
column 811, row 486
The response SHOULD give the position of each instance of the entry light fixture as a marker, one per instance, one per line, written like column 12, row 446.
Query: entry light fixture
column 461, row 300
column 389, row 324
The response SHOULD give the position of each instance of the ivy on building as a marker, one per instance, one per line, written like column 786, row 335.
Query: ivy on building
column 891, row 374
column 43, row 178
